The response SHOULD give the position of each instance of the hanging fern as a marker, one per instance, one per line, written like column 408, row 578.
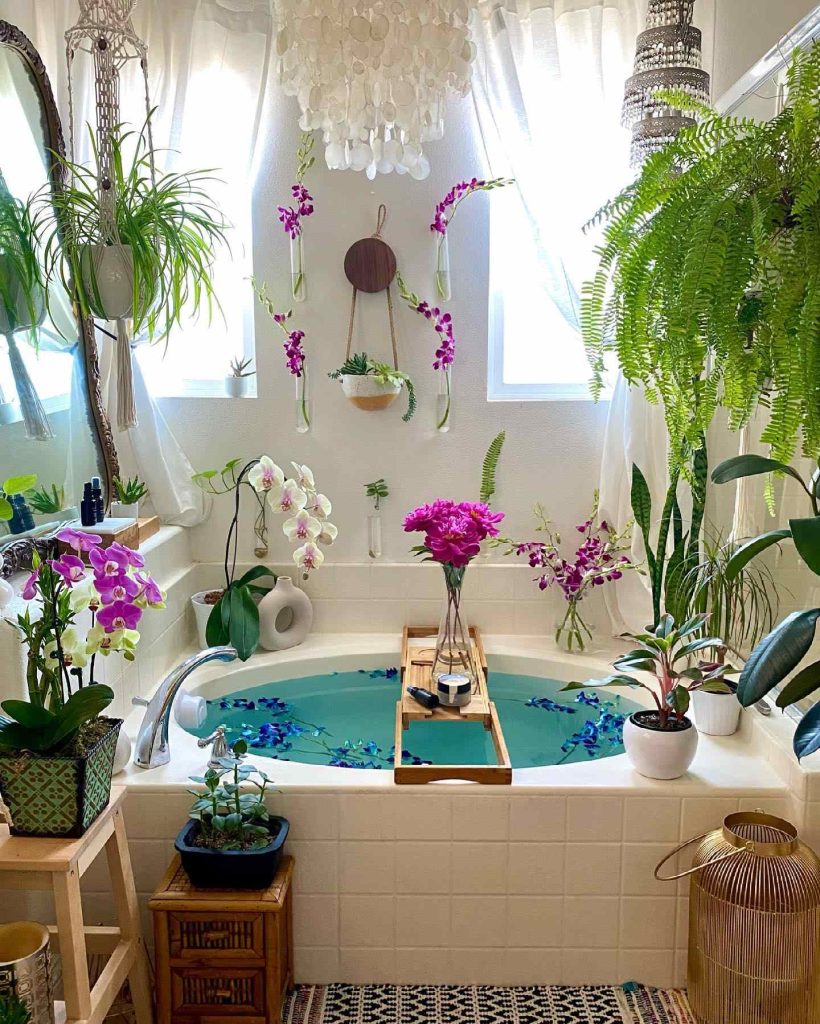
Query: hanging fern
column 708, row 284
column 489, row 467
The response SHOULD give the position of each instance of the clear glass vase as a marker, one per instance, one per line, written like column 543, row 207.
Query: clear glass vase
column 444, row 400
column 442, row 256
column 304, row 409
column 374, row 535
column 572, row 634
column 298, row 280
column 454, row 653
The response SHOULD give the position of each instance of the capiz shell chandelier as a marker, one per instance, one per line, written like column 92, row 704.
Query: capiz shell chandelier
column 374, row 77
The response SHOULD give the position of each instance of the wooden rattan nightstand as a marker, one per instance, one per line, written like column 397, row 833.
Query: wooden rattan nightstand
column 222, row 956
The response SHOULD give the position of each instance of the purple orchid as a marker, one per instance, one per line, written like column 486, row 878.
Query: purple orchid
column 442, row 324
column 150, row 592
column 459, row 191
column 109, row 561
column 115, row 588
column 119, row 615
column 29, row 590
column 78, row 539
column 70, row 567
column 290, row 216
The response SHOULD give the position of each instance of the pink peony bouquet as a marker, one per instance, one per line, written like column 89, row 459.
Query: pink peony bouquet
column 453, row 531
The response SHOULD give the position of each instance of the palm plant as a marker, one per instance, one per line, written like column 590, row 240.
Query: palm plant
column 168, row 220
column 707, row 288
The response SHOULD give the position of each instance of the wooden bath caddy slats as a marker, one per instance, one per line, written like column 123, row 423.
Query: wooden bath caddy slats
column 418, row 645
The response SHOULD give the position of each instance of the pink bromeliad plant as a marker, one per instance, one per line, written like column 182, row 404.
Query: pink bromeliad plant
column 453, row 532
column 599, row 559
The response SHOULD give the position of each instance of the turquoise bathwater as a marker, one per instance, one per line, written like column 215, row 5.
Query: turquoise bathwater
column 347, row 719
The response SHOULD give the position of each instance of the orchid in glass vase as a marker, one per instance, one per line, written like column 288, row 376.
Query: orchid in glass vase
column 291, row 216
column 445, row 352
column 453, row 532
column 599, row 559
column 295, row 357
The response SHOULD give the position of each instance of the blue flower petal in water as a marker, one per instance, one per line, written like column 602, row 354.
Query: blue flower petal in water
column 550, row 705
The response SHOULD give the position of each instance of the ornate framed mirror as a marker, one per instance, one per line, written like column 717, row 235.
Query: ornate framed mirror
column 54, row 432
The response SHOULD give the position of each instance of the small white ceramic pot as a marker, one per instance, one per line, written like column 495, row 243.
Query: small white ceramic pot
column 119, row 510
column 285, row 616
column 108, row 280
column 236, row 387
column 122, row 752
column 659, row 753
column 202, row 611
column 367, row 393
column 716, row 714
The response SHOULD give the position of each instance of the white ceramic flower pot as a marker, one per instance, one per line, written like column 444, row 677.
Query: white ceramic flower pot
column 656, row 753
column 18, row 311
column 108, row 280
column 716, row 714
column 119, row 510
column 367, row 393
column 201, row 613
column 122, row 752
column 236, row 387
column 285, row 616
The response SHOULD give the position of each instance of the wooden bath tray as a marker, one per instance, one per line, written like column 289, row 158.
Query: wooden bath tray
column 418, row 644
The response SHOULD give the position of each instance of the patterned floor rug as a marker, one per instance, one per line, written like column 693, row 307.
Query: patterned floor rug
column 450, row 1004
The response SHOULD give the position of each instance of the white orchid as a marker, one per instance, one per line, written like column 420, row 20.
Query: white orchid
column 73, row 647
column 84, row 595
column 304, row 477
column 265, row 475
column 329, row 533
column 302, row 527
column 288, row 497
column 121, row 640
column 318, row 505
column 308, row 557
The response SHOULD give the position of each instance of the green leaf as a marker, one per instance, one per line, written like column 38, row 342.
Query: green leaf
column 664, row 627
column 20, row 484
column 244, row 627
column 29, row 715
column 614, row 680
column 216, row 634
column 751, row 549
column 777, row 655
column 257, row 572
column 698, row 645
column 6, row 511
column 678, row 700
column 806, row 533
column 489, row 467
column 750, row 465
column 800, row 686
column 716, row 686
column 81, row 707
column 807, row 735
column 641, row 502
column 17, row 737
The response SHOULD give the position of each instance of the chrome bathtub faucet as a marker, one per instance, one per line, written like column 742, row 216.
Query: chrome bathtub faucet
column 152, row 748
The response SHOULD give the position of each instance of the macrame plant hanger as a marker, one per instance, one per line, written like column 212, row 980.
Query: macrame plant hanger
column 370, row 266
column 105, row 32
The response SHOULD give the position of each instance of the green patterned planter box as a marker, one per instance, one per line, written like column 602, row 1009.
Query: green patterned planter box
column 54, row 795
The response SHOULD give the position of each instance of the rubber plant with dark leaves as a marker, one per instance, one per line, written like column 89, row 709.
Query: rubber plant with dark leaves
column 64, row 698
column 234, row 618
column 665, row 653
column 783, row 650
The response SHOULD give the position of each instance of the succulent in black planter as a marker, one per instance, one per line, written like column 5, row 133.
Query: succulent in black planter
column 232, row 842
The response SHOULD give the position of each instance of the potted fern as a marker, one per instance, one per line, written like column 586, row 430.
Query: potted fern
column 372, row 386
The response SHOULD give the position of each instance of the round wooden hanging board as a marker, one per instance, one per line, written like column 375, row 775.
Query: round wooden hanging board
column 370, row 265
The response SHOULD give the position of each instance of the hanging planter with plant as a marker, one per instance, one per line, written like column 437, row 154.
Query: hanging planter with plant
column 373, row 386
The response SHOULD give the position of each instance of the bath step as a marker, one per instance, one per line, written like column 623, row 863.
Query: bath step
column 418, row 646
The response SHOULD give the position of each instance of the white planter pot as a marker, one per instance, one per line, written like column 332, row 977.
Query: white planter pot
column 659, row 754
column 119, row 510
column 201, row 613
column 716, row 714
column 285, row 616
column 108, row 280
column 365, row 392
column 18, row 312
column 236, row 387
column 122, row 752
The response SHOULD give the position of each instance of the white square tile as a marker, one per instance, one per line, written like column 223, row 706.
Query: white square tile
column 682, row 923
column 638, row 873
column 367, row 966
column 591, row 922
column 352, row 582
column 150, row 859
column 647, row 966
column 594, row 819
column 478, row 966
column 317, row 866
column 589, row 967
column 316, row 965
column 593, row 869
column 367, row 921
column 481, row 818
column 652, row 819
column 681, row 969
column 315, row 920
column 478, row 868
column 496, row 582
column 648, row 922
column 538, row 818
column 703, row 814
column 534, row 921
column 311, row 815
column 423, row 816
column 423, row 966
column 478, row 921
column 423, row 867
column 366, row 816
column 367, row 867
column 536, row 868
column 532, row 966
column 422, row 920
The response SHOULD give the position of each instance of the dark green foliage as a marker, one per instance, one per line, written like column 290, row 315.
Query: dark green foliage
column 377, row 490
column 130, row 491
column 46, row 502
column 21, row 279
column 489, row 467
column 234, row 619
column 230, row 819
column 13, row 1011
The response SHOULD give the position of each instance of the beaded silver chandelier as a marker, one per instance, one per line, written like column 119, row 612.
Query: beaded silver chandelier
column 667, row 56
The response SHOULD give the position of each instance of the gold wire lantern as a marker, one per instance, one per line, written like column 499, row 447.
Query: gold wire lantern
column 754, row 923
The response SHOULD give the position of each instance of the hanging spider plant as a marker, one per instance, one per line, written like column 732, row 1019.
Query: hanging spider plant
column 150, row 259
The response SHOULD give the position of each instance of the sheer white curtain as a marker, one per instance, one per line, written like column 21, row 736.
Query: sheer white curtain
column 208, row 69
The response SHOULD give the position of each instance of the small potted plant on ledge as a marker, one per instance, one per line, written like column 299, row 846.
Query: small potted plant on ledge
column 56, row 748
column 231, row 841
column 236, row 382
column 128, row 495
column 372, row 386
column 661, row 742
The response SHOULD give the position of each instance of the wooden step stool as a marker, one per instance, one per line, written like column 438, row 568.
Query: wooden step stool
column 222, row 955
column 58, row 865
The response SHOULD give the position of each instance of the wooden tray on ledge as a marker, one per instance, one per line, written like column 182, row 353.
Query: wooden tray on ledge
column 418, row 645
